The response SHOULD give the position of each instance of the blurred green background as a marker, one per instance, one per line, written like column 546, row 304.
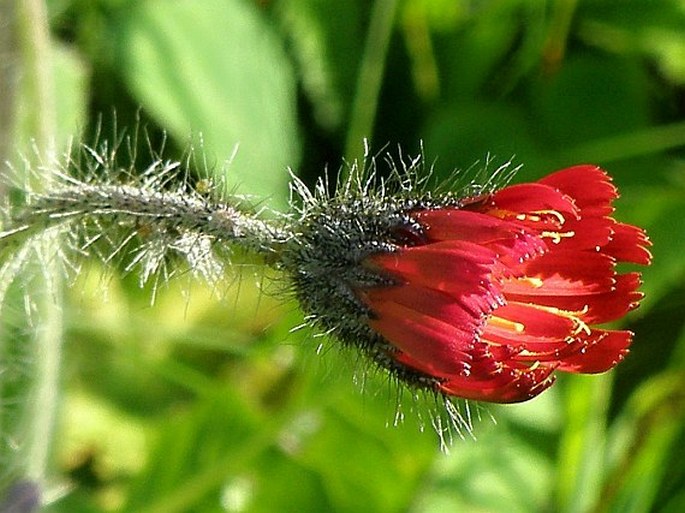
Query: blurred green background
column 199, row 404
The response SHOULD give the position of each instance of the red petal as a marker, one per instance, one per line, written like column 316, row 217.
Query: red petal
column 510, row 385
column 532, row 329
column 593, row 308
column 629, row 244
column 464, row 310
column 544, row 336
column 603, row 350
column 438, row 348
column 588, row 233
column 510, row 240
column 532, row 197
column 452, row 223
column 589, row 186
column 456, row 267
column 566, row 273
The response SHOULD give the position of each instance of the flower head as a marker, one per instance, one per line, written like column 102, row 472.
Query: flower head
column 481, row 298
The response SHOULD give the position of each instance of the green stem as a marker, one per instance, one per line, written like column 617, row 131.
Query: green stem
column 38, row 72
column 422, row 54
column 369, row 80
column 45, row 285
column 8, row 79
column 559, row 29
column 582, row 446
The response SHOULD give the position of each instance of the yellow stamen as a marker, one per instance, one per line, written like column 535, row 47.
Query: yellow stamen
column 536, row 216
column 554, row 213
column 574, row 316
column 532, row 281
column 557, row 236
column 507, row 324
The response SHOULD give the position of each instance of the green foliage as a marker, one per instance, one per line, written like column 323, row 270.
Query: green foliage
column 190, row 69
column 205, row 404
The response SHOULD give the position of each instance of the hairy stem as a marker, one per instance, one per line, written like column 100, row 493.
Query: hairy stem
column 38, row 335
column 47, row 337
column 168, row 210
column 9, row 75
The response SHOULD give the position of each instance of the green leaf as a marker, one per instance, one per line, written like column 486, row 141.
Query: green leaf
column 365, row 463
column 497, row 472
column 327, row 40
column 205, row 446
column 470, row 58
column 651, row 28
column 70, row 76
column 646, row 444
column 216, row 69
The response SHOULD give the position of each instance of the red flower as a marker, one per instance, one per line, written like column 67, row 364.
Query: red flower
column 496, row 295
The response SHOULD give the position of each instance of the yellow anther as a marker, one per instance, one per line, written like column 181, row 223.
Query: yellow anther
column 507, row 324
column 536, row 216
column 532, row 281
column 554, row 213
column 580, row 326
column 574, row 316
column 557, row 236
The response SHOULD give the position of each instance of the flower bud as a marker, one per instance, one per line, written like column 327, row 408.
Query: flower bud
column 483, row 297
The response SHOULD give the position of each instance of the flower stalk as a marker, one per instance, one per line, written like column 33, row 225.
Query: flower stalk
column 29, row 394
column 140, row 222
column 180, row 210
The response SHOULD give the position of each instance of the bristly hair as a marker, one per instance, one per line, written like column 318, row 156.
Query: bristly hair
column 371, row 212
column 403, row 177
column 136, row 219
